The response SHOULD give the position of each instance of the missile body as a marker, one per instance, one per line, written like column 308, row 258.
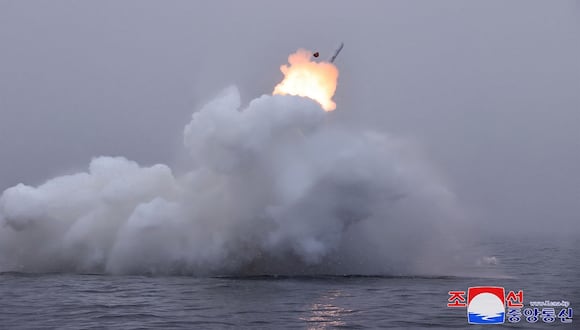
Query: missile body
column 336, row 52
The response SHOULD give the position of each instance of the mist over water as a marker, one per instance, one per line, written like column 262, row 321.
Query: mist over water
column 274, row 187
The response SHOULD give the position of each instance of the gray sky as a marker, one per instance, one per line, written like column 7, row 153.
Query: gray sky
column 490, row 90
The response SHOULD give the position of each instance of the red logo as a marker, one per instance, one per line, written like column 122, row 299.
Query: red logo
column 474, row 291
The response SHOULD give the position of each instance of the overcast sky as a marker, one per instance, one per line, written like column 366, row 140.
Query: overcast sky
column 489, row 90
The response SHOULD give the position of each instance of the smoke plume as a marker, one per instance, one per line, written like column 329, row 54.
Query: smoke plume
column 275, row 187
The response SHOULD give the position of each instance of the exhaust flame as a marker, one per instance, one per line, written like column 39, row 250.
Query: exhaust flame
column 315, row 80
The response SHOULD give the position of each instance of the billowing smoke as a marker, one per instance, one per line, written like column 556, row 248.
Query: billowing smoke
column 275, row 187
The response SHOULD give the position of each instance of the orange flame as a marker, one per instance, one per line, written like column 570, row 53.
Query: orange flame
column 315, row 80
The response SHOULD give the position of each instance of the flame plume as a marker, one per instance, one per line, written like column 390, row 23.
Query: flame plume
column 303, row 77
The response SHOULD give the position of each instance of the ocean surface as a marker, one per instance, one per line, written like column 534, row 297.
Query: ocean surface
column 544, row 268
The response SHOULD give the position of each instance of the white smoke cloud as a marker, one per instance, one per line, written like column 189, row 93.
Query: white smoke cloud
column 276, row 187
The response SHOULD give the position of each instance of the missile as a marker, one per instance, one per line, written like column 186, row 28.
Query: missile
column 336, row 52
